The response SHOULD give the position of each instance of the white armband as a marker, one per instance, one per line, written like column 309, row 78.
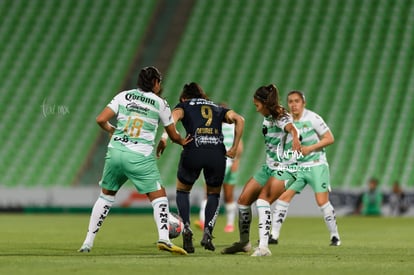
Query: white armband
column 164, row 136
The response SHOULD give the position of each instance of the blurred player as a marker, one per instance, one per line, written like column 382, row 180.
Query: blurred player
column 202, row 120
column 230, row 180
column 370, row 202
column 270, row 179
column 312, row 167
column 130, row 154
column 398, row 200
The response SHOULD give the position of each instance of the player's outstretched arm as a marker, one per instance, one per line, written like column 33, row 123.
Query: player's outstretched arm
column 171, row 131
column 175, row 136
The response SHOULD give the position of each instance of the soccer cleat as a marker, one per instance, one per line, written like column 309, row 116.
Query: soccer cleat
column 199, row 224
column 272, row 240
column 237, row 247
column 335, row 241
column 85, row 248
column 170, row 247
column 188, row 240
column 261, row 251
column 206, row 242
column 229, row 228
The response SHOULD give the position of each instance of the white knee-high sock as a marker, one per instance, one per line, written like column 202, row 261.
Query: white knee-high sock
column 245, row 219
column 99, row 212
column 231, row 209
column 160, row 212
column 278, row 217
column 330, row 219
column 265, row 221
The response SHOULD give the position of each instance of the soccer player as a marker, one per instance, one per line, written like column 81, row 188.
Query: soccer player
column 130, row 154
column 272, row 178
column 202, row 120
column 230, row 181
column 312, row 167
column 370, row 201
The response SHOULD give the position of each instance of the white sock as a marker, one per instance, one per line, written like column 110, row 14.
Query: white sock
column 231, row 209
column 99, row 212
column 265, row 221
column 330, row 219
column 245, row 219
column 202, row 215
column 160, row 212
column 279, row 216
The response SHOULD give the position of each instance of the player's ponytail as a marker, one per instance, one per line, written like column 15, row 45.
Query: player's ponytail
column 269, row 96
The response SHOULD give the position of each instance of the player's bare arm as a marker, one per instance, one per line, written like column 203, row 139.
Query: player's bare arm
column 326, row 139
column 171, row 131
column 162, row 144
column 238, row 120
column 175, row 136
column 103, row 120
column 290, row 128
column 177, row 114
column 236, row 162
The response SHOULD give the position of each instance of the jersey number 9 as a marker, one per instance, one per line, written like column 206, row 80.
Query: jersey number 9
column 207, row 113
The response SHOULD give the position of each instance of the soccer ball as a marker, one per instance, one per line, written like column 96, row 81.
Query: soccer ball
column 175, row 226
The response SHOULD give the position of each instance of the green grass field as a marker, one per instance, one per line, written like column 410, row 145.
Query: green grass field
column 47, row 244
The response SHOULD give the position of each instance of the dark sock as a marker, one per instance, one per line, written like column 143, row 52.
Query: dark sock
column 183, row 205
column 211, row 212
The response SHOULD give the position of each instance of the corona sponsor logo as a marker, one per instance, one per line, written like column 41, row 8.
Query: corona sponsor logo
column 131, row 96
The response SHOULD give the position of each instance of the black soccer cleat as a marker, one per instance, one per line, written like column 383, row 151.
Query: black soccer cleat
column 206, row 241
column 237, row 247
column 272, row 240
column 335, row 241
column 188, row 240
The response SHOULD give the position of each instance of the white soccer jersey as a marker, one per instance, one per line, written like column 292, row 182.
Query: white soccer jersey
column 275, row 135
column 138, row 116
column 311, row 127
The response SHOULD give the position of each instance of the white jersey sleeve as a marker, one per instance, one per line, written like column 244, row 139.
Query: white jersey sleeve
column 115, row 102
column 165, row 114
column 318, row 123
column 283, row 121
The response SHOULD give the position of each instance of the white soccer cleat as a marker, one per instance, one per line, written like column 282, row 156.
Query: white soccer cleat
column 261, row 251
column 85, row 248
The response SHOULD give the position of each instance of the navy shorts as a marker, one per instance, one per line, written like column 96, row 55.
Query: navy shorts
column 211, row 161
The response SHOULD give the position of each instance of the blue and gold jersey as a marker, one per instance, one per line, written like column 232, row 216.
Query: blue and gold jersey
column 203, row 121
